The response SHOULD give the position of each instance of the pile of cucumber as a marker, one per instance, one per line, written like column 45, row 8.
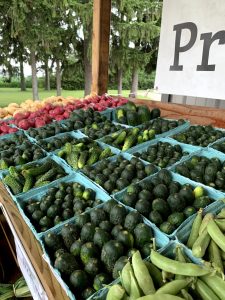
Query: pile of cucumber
column 83, row 152
column 207, row 238
column 29, row 176
column 167, row 279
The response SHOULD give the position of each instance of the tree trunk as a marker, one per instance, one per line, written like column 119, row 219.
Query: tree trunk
column 58, row 78
column 47, row 76
column 34, row 75
column 87, row 62
column 22, row 78
column 134, row 86
column 120, row 81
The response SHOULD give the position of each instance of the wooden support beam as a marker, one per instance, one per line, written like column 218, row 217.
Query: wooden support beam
column 100, row 45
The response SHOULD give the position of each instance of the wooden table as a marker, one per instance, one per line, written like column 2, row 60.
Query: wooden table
column 197, row 115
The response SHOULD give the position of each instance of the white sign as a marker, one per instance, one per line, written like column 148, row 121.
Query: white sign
column 191, row 58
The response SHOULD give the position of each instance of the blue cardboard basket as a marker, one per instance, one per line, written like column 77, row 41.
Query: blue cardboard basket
column 74, row 134
column 37, row 195
column 125, row 155
column 161, row 242
column 51, row 157
column 213, row 194
column 184, row 231
column 143, row 147
column 207, row 152
column 103, row 146
column 185, row 129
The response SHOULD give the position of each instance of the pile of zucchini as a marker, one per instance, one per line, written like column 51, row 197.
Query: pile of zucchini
column 23, row 179
column 207, row 239
column 167, row 279
column 55, row 143
column 99, row 130
column 128, row 138
column 83, row 152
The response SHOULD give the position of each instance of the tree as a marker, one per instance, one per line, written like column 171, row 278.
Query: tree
column 137, row 26
column 32, row 25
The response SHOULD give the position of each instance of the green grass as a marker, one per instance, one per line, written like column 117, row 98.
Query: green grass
column 9, row 95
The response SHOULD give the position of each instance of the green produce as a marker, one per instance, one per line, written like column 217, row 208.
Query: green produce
column 16, row 154
column 219, row 147
column 83, row 153
column 204, row 291
column 195, row 229
column 116, row 175
column 99, row 130
column 204, row 170
column 199, row 135
column 66, row 263
column 116, row 292
column 162, row 154
column 26, row 177
column 133, row 115
column 59, row 204
column 100, row 254
column 163, row 201
column 54, row 143
column 129, row 137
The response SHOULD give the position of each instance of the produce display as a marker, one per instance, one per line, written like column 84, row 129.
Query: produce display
column 219, row 147
column 90, row 252
column 98, row 130
column 95, row 241
column 115, row 175
column 166, row 278
column 165, row 202
column 83, row 152
column 59, row 204
column 161, row 125
column 210, row 171
column 20, row 155
column 133, row 115
column 199, row 135
column 207, row 238
column 162, row 154
column 128, row 138
column 23, row 179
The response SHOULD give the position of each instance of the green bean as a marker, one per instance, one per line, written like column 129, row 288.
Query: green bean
column 215, row 257
column 222, row 254
column 142, row 275
column 167, row 276
column 201, row 244
column 176, row 267
column 205, row 222
column 134, row 288
column 216, row 284
column 195, row 229
column 221, row 214
column 221, row 224
column 155, row 274
column 186, row 295
column 204, row 291
column 160, row 297
column 116, row 292
column 173, row 287
column 125, row 277
column 216, row 234
column 180, row 257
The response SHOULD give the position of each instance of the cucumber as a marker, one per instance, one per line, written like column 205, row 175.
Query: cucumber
column 47, row 176
column 14, row 185
column 28, row 183
column 43, row 168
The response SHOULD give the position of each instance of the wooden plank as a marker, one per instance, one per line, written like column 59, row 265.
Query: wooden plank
column 33, row 249
column 196, row 114
column 100, row 45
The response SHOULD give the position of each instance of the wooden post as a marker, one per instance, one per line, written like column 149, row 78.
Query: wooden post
column 100, row 45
